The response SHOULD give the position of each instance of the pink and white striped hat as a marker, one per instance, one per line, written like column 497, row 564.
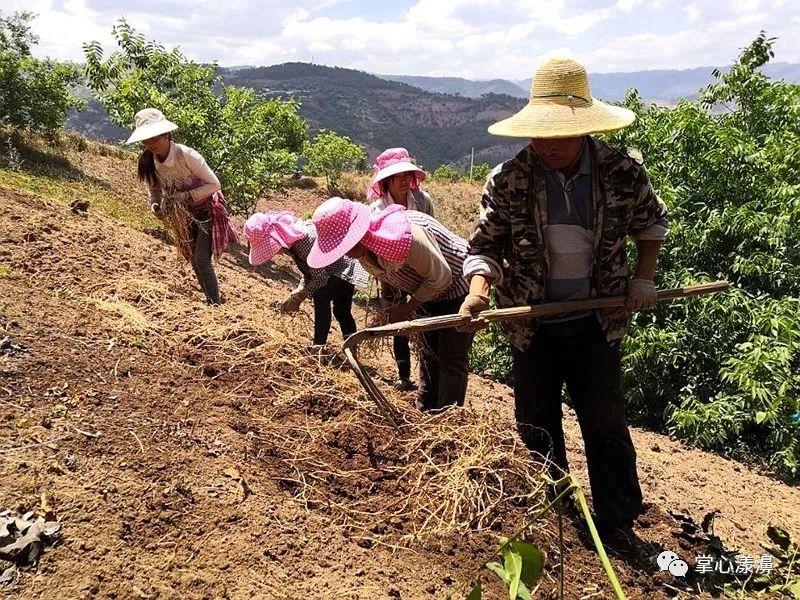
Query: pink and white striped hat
column 389, row 234
column 272, row 231
column 391, row 162
column 340, row 225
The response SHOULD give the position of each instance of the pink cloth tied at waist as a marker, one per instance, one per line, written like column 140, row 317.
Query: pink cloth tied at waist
column 222, row 232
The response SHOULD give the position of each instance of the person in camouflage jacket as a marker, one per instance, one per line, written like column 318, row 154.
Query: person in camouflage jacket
column 514, row 215
column 553, row 226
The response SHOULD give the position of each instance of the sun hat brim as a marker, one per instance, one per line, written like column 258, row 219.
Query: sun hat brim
column 400, row 167
column 318, row 259
column 263, row 250
column 559, row 121
column 151, row 130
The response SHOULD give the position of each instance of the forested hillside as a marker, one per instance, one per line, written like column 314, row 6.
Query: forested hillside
column 436, row 128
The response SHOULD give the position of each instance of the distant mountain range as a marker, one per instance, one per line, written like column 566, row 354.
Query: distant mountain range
column 436, row 128
column 439, row 119
column 664, row 85
column 463, row 87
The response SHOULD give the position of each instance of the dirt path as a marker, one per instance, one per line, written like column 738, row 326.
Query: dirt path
column 156, row 452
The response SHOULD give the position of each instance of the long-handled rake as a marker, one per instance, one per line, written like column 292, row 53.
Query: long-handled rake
column 517, row 313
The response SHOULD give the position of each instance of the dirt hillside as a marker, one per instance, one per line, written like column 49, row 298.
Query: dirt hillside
column 208, row 453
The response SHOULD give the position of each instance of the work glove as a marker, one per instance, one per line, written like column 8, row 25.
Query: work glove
column 293, row 302
column 642, row 295
column 472, row 305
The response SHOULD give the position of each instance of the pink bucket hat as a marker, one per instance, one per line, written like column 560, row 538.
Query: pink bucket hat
column 391, row 162
column 340, row 225
column 272, row 231
column 389, row 234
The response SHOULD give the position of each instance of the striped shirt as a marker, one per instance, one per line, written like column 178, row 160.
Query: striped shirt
column 314, row 280
column 433, row 270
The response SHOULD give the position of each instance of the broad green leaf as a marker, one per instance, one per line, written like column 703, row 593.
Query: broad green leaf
column 513, row 566
column 532, row 561
column 779, row 536
column 498, row 570
column 476, row 593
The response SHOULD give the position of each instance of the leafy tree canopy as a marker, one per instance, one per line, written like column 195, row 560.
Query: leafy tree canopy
column 251, row 142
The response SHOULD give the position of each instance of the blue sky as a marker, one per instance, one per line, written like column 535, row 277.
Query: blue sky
column 477, row 39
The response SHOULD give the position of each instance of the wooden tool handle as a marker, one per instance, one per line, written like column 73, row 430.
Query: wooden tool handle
column 519, row 313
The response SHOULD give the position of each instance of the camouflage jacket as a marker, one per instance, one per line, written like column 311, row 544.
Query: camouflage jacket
column 510, row 231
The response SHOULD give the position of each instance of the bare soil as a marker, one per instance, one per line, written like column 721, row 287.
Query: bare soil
column 167, row 461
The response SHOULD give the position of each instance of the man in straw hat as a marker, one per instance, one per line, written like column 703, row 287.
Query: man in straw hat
column 553, row 227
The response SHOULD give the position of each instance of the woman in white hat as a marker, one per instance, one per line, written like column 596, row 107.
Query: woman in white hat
column 186, row 194
column 396, row 180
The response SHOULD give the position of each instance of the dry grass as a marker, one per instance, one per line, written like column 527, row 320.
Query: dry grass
column 312, row 424
column 455, row 203
column 450, row 473
column 71, row 167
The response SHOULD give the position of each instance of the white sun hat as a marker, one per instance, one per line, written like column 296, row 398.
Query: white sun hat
column 561, row 105
column 148, row 123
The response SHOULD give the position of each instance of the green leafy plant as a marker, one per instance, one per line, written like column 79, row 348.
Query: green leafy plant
column 481, row 172
column 728, row 167
column 34, row 93
column 519, row 568
column 522, row 563
column 251, row 142
column 330, row 154
column 447, row 173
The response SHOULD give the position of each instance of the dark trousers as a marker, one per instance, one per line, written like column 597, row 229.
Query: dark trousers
column 339, row 294
column 402, row 356
column 201, row 259
column 577, row 353
column 444, row 365
column 400, row 345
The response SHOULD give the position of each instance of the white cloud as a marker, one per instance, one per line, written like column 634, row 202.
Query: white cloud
column 470, row 38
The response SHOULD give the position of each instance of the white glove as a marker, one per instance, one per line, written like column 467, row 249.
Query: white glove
column 641, row 295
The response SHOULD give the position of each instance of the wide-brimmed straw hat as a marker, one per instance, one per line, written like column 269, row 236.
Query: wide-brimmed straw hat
column 340, row 225
column 561, row 105
column 391, row 162
column 271, row 232
column 148, row 123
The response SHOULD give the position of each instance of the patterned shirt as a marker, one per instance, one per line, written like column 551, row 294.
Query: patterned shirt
column 434, row 268
column 509, row 243
column 314, row 280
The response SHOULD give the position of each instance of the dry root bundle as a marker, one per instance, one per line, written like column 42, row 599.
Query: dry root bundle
column 454, row 472
column 321, row 437
column 177, row 221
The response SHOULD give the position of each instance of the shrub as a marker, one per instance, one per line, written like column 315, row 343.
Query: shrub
column 330, row 154
column 447, row 173
column 250, row 142
column 481, row 172
column 34, row 93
